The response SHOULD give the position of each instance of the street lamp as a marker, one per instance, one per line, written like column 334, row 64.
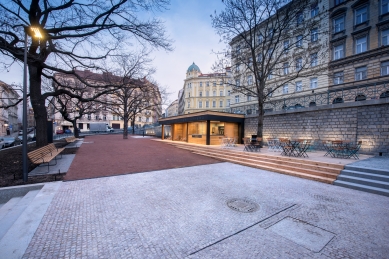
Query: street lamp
column 37, row 34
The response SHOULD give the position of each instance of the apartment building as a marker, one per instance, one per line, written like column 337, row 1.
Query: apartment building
column 99, row 110
column 291, row 57
column 359, row 42
column 172, row 110
column 9, row 116
column 205, row 91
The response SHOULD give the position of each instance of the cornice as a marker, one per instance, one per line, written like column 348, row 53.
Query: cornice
column 359, row 57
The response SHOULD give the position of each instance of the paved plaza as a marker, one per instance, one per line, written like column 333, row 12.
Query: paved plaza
column 184, row 213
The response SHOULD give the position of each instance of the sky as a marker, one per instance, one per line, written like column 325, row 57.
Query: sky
column 188, row 24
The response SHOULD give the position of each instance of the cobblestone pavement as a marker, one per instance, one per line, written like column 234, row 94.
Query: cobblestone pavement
column 183, row 213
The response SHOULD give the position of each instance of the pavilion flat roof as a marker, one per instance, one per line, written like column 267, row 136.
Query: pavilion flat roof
column 203, row 116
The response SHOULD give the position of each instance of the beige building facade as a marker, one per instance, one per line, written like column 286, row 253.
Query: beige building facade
column 205, row 92
column 8, row 117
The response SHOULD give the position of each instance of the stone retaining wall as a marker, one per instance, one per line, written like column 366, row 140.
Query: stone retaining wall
column 366, row 121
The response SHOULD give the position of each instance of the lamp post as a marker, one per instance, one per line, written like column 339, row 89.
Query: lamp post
column 24, row 151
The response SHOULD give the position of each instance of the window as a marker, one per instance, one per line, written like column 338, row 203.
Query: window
column 361, row 45
column 260, row 38
column 270, row 92
column 237, row 68
column 207, row 93
column 96, row 117
column 285, row 89
column 299, row 86
column 313, row 83
column 89, row 117
column 271, row 33
column 314, row 10
column 207, row 83
column 237, row 49
column 200, row 104
column 384, row 6
column 299, row 64
column 188, row 94
column 270, row 76
column 250, row 63
column 299, row 18
column 201, row 84
column 248, row 97
column 213, row 104
column 385, row 68
column 338, row 78
column 237, row 82
column 214, row 93
column 221, row 82
column 360, row 73
column 339, row 24
column 147, row 119
column 360, row 15
column 286, row 46
column 286, row 68
column 139, row 119
column 299, row 41
column 201, row 94
column 250, row 80
column 206, row 104
column 270, row 52
column 236, row 98
column 338, row 2
column 314, row 35
column 228, row 102
column 314, row 60
column 214, row 83
column 259, row 58
column 188, row 104
column 228, row 92
column 338, row 52
column 221, row 93
column 221, row 104
column 385, row 37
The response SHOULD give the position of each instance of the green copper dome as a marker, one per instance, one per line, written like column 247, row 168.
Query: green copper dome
column 193, row 67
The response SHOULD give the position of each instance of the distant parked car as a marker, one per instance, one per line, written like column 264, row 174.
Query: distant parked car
column 68, row 131
column 21, row 138
column 10, row 141
column 2, row 143
column 59, row 132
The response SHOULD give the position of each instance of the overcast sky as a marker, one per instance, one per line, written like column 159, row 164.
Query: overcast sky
column 188, row 24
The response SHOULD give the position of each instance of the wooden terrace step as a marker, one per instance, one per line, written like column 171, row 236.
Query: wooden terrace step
column 308, row 169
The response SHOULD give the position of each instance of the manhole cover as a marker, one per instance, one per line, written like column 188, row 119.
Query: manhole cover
column 242, row 205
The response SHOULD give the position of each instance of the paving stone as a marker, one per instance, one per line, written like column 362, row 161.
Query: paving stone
column 183, row 212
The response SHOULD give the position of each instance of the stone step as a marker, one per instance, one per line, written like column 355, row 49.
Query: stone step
column 367, row 170
column 277, row 170
column 8, row 206
column 13, row 214
column 362, row 187
column 300, row 168
column 371, row 176
column 364, row 181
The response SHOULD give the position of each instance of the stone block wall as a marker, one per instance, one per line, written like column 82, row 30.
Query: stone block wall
column 366, row 121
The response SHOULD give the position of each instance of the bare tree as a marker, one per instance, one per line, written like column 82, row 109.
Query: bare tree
column 136, row 93
column 75, row 34
column 271, row 43
column 73, row 109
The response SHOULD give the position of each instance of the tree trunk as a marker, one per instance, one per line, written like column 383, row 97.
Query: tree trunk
column 260, row 121
column 133, row 125
column 125, row 129
column 38, row 105
column 75, row 129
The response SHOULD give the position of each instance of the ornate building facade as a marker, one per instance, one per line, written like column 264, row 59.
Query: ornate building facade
column 9, row 116
column 204, row 91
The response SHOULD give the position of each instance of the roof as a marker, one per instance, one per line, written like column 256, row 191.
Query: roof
column 193, row 67
column 203, row 116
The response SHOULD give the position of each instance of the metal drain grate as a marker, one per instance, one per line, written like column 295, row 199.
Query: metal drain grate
column 242, row 205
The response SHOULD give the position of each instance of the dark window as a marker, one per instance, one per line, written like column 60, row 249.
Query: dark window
column 385, row 95
column 311, row 104
column 338, row 100
column 360, row 97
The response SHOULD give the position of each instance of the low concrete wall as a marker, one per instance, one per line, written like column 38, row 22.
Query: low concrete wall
column 366, row 121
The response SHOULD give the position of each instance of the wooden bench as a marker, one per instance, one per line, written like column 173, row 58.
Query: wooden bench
column 71, row 139
column 45, row 155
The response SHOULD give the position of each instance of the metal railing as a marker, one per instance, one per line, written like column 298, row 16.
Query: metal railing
column 348, row 93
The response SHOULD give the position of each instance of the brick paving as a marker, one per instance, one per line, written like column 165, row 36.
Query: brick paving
column 107, row 155
column 183, row 213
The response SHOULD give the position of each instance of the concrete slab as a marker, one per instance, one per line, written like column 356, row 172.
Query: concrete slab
column 15, row 242
column 62, row 166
